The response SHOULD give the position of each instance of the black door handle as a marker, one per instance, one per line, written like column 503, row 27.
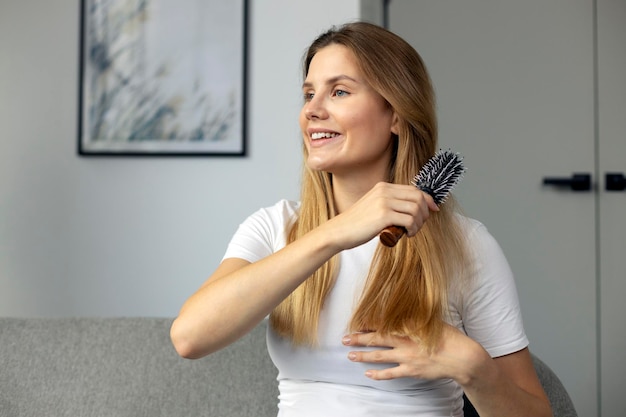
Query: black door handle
column 615, row 181
column 577, row 182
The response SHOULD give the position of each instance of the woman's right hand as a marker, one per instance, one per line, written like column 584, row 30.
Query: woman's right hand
column 384, row 205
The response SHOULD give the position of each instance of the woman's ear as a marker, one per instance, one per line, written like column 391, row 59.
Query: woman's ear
column 395, row 122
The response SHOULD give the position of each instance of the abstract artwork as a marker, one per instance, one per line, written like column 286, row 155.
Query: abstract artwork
column 162, row 77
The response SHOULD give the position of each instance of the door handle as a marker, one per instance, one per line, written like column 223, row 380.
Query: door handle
column 577, row 182
column 614, row 181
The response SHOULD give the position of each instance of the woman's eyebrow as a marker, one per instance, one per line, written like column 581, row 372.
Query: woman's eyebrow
column 331, row 80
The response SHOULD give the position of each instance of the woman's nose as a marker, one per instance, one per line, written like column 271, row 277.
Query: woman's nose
column 314, row 109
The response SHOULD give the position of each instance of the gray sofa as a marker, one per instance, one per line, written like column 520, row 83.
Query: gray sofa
column 127, row 367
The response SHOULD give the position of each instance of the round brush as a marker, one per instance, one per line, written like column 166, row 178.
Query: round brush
column 437, row 177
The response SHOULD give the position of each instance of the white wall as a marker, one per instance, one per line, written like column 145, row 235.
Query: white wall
column 132, row 236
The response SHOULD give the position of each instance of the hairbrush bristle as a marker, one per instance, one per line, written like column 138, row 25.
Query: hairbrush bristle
column 440, row 174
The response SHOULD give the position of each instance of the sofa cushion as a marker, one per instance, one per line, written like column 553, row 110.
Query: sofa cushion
column 118, row 367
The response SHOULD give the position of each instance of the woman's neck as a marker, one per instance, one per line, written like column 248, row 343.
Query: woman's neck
column 347, row 191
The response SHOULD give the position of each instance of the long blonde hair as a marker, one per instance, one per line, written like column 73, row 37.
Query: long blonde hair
column 407, row 286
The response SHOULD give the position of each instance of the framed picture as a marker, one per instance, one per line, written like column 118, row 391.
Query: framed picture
column 162, row 78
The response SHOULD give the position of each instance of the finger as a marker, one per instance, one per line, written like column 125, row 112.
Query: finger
column 410, row 193
column 375, row 356
column 365, row 339
column 431, row 202
column 419, row 207
column 418, row 219
column 385, row 374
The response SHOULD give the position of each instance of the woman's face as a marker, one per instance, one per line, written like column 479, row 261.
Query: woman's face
column 346, row 125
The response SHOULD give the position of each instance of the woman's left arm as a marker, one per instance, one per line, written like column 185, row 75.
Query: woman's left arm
column 503, row 386
column 507, row 386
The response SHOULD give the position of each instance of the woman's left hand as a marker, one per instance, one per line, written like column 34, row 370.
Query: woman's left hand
column 455, row 357
column 504, row 385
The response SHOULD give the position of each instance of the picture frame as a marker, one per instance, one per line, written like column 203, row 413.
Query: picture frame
column 163, row 78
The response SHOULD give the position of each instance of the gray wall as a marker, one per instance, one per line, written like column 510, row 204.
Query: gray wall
column 131, row 237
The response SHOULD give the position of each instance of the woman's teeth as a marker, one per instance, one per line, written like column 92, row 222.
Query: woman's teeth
column 322, row 135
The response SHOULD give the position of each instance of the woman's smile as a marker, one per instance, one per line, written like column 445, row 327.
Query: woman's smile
column 323, row 138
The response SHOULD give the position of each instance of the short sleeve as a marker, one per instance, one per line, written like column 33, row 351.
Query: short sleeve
column 489, row 307
column 263, row 232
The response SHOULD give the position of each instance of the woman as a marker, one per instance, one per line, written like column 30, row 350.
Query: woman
column 356, row 328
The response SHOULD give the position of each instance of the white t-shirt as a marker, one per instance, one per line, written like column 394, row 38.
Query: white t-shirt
column 322, row 382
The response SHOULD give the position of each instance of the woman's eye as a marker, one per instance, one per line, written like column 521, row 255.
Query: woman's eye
column 308, row 96
column 341, row 93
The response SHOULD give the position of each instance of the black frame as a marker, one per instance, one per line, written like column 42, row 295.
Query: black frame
column 221, row 128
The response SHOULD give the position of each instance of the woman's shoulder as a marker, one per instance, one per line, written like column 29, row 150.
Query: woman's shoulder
column 287, row 206
column 263, row 232
column 470, row 226
column 282, row 209
column 276, row 216
column 482, row 245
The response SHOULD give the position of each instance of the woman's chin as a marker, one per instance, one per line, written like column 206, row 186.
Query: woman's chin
column 318, row 164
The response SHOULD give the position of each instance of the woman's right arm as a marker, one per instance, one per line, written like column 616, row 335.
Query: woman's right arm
column 240, row 294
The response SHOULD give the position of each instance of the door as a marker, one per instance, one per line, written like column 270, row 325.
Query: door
column 515, row 88
column 612, row 203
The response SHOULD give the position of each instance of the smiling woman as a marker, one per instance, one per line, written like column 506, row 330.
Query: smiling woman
column 358, row 328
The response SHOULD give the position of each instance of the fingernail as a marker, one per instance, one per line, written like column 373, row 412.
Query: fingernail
column 346, row 340
column 352, row 356
column 369, row 374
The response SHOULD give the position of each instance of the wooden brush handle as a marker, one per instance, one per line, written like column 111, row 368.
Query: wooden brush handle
column 391, row 235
